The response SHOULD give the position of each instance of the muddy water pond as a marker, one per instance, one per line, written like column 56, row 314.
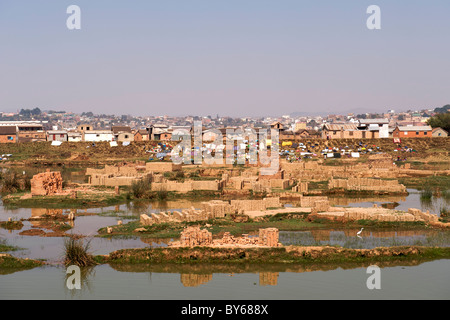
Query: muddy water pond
column 428, row 280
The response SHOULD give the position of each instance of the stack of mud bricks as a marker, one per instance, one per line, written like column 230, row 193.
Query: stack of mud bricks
column 301, row 187
column 255, row 205
column 321, row 205
column 310, row 201
column 246, row 240
column 366, row 184
column 46, row 183
column 228, row 239
column 186, row 186
column 425, row 216
column 194, row 236
column 268, row 237
column 216, row 208
column 383, row 215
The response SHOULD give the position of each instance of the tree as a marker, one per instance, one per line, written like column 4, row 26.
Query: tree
column 35, row 112
column 440, row 120
column 443, row 109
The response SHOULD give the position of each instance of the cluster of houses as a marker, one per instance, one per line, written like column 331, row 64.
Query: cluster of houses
column 24, row 131
column 378, row 128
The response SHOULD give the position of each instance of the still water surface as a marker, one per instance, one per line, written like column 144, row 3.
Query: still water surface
column 429, row 280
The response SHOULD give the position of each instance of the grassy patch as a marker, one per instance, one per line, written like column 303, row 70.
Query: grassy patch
column 11, row 225
column 284, row 255
column 441, row 182
column 10, row 264
column 88, row 200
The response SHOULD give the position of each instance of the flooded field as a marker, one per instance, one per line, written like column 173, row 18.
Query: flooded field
column 260, row 282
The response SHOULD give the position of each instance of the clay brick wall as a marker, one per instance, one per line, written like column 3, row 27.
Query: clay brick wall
column 186, row 186
column 162, row 166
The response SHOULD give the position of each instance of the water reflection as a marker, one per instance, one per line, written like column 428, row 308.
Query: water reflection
column 199, row 275
column 368, row 239
column 86, row 278
column 402, row 203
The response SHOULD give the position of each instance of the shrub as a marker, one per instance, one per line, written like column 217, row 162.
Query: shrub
column 141, row 188
column 76, row 253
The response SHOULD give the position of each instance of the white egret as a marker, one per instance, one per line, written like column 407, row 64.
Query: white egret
column 359, row 232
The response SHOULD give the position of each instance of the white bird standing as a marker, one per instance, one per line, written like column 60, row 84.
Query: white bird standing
column 359, row 232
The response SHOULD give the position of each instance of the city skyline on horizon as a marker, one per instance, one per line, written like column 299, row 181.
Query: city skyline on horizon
column 235, row 59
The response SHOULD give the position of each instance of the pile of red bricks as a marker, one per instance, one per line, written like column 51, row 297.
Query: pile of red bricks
column 46, row 183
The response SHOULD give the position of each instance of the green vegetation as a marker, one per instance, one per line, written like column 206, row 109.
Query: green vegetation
column 76, row 253
column 441, row 182
column 426, row 194
column 83, row 200
column 283, row 255
column 141, row 189
column 440, row 120
column 12, row 182
column 10, row 264
column 11, row 225
column 5, row 247
column 284, row 222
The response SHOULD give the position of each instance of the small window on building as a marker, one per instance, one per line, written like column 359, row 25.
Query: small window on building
column 417, row 133
column 425, row 133
column 10, row 138
column 126, row 136
column 61, row 136
column 350, row 133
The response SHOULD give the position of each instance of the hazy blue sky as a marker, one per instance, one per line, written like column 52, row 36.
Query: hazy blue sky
column 226, row 57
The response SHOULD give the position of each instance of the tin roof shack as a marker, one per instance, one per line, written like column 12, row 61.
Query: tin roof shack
column 412, row 132
column 8, row 134
column 57, row 135
column 98, row 135
column 378, row 127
